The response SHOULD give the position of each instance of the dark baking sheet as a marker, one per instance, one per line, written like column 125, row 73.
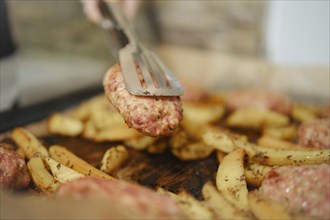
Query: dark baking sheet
column 22, row 116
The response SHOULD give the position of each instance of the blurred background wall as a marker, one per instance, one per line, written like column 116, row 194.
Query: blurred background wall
column 297, row 32
column 58, row 45
column 227, row 26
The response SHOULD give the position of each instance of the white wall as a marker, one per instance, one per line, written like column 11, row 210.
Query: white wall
column 297, row 32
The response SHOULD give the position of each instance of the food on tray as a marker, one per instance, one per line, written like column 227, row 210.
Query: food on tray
column 258, row 98
column 268, row 155
column 30, row 145
column 255, row 173
column 61, row 172
column 64, row 125
column 220, row 206
column 256, row 118
column 304, row 113
column 274, row 142
column 69, row 159
column 286, row 132
column 304, row 189
column 113, row 158
column 135, row 200
column 13, row 172
column 190, row 206
column 212, row 166
column 154, row 116
column 263, row 208
column 230, row 179
column 140, row 143
column 41, row 177
column 192, row 151
column 203, row 112
column 315, row 133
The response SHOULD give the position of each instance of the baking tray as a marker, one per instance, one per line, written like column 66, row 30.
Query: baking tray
column 152, row 171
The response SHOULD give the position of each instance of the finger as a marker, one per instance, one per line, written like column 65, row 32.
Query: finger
column 91, row 10
column 130, row 8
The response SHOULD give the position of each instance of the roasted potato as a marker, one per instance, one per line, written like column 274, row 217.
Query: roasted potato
column 64, row 125
column 29, row 143
column 256, row 118
column 66, row 157
column 113, row 158
column 230, row 179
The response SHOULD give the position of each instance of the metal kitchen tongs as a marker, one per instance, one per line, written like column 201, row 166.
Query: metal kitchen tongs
column 144, row 72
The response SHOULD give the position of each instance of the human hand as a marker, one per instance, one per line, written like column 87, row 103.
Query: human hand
column 92, row 12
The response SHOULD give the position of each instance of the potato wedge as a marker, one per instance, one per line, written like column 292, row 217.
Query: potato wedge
column 29, row 143
column 20, row 152
column 219, row 205
column 41, row 176
column 220, row 139
column 61, row 172
column 64, row 125
column 69, row 159
column 179, row 139
column 285, row 133
column 103, row 118
column 266, row 209
column 203, row 113
column 304, row 113
column 255, row 173
column 90, row 130
column 116, row 133
column 272, row 142
column 230, row 179
column 193, row 129
column 192, row 151
column 140, row 143
column 85, row 109
column 159, row 147
column 191, row 207
column 113, row 158
column 256, row 118
column 272, row 156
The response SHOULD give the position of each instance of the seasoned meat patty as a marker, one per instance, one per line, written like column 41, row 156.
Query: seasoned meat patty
column 136, row 200
column 13, row 171
column 258, row 98
column 315, row 133
column 153, row 116
column 304, row 189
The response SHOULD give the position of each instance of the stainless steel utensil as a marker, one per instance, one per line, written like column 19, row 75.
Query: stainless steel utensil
column 144, row 72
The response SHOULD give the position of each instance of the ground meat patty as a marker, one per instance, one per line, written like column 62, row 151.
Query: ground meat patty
column 315, row 133
column 258, row 98
column 152, row 116
column 135, row 200
column 304, row 189
column 13, row 171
